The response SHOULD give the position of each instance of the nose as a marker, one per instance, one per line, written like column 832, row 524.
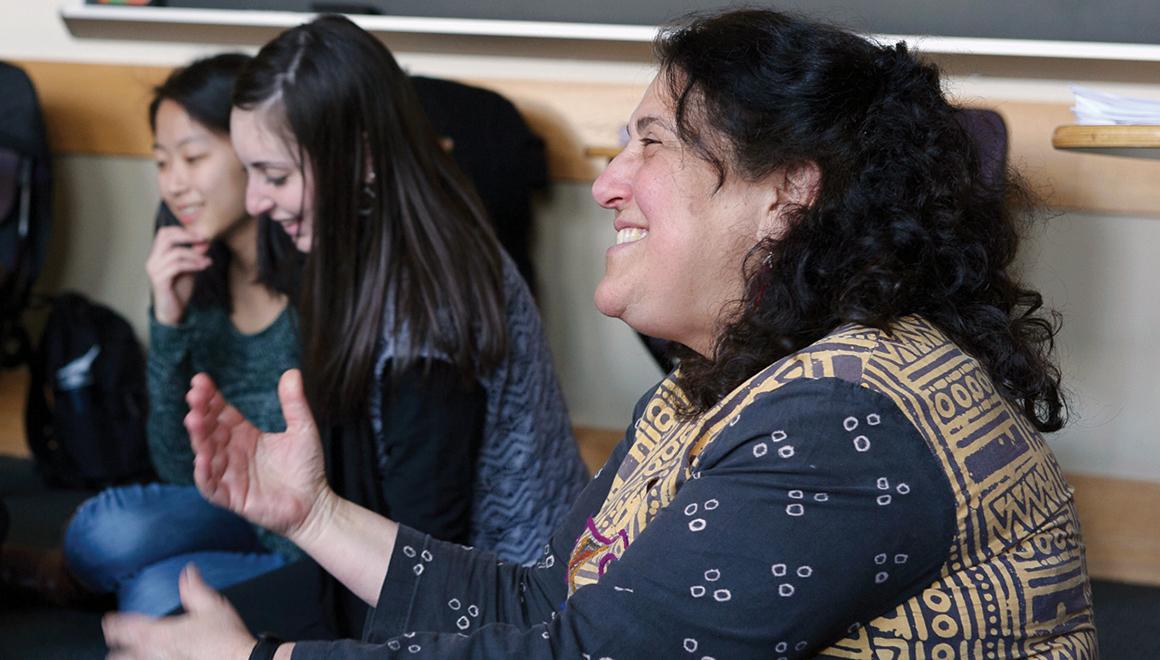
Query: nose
column 172, row 179
column 611, row 189
column 257, row 201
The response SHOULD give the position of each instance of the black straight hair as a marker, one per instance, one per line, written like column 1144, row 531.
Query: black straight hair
column 204, row 90
column 406, row 239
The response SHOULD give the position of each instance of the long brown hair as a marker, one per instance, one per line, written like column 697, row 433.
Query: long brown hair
column 412, row 236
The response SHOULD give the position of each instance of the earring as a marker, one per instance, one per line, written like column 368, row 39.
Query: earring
column 367, row 201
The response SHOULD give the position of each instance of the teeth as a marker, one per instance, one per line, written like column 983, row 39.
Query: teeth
column 630, row 234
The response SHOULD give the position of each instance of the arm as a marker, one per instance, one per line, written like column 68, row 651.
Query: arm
column 175, row 257
column 755, row 573
column 168, row 372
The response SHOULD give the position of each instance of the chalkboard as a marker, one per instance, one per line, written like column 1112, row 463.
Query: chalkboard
column 1114, row 21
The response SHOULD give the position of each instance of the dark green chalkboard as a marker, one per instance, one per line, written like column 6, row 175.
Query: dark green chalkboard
column 1116, row 21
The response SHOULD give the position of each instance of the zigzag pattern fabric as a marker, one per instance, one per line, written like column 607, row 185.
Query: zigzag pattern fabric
column 529, row 469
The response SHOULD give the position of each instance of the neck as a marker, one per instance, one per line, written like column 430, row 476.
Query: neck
column 242, row 242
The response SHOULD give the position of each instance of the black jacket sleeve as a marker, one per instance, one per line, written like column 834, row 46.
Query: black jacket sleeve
column 792, row 529
column 432, row 428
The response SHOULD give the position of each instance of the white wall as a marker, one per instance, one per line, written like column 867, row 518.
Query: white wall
column 1098, row 270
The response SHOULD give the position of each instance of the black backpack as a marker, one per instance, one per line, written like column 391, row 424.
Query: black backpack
column 85, row 416
column 25, row 207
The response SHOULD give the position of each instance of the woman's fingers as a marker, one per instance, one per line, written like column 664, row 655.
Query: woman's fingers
column 196, row 595
column 125, row 633
column 172, row 235
column 292, row 396
column 169, row 267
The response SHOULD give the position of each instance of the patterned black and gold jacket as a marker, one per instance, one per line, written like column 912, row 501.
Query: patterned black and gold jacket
column 871, row 496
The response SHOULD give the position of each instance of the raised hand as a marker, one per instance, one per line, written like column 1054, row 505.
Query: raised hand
column 210, row 628
column 275, row 480
column 176, row 257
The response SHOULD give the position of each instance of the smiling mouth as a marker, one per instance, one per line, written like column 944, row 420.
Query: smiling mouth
column 187, row 213
column 630, row 235
column 290, row 225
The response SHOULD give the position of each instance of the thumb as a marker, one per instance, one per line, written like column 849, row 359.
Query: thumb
column 292, row 396
column 196, row 595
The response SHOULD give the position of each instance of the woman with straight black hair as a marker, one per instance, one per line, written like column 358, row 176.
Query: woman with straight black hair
column 422, row 347
column 849, row 461
column 219, row 307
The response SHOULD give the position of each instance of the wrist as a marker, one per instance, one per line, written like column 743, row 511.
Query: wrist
column 164, row 316
column 319, row 518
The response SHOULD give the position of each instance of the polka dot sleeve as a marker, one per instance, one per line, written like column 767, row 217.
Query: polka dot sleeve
column 818, row 509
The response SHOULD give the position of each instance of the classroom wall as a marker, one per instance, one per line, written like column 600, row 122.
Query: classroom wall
column 1097, row 267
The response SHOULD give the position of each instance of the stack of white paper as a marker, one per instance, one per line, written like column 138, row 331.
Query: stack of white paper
column 1096, row 107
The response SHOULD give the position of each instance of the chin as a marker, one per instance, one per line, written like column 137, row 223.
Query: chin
column 606, row 302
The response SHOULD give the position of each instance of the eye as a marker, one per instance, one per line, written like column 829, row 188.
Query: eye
column 190, row 160
column 646, row 141
column 161, row 165
column 276, row 181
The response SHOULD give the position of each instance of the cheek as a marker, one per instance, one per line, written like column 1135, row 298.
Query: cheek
column 230, row 190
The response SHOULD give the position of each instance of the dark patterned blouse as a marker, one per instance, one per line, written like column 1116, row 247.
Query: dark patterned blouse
column 870, row 496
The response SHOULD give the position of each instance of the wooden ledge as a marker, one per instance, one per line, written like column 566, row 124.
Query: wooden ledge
column 1133, row 141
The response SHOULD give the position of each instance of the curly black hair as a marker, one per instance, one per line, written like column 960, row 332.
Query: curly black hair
column 904, row 220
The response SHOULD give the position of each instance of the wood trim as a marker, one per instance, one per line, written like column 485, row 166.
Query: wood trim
column 96, row 109
column 1120, row 517
column 1120, row 141
column 100, row 109
column 596, row 445
column 1121, row 526
column 1075, row 136
column 13, row 391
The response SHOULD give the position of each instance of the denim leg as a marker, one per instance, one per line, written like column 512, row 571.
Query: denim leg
column 117, row 533
column 154, row 590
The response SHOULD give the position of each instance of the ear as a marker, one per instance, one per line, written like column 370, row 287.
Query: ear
column 794, row 186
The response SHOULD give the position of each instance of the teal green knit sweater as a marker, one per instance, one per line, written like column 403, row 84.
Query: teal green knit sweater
column 245, row 367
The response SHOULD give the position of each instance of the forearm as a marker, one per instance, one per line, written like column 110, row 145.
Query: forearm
column 350, row 542
column 168, row 373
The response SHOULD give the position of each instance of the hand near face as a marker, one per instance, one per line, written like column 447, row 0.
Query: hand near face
column 210, row 628
column 275, row 480
column 176, row 257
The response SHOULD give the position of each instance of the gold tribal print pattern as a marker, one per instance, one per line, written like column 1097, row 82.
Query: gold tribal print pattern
column 1015, row 582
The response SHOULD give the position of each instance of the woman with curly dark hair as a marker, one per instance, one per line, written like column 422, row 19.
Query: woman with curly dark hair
column 848, row 461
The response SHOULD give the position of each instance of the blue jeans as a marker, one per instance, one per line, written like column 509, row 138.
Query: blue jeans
column 134, row 541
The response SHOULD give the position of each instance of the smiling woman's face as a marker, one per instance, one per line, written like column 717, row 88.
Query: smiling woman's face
column 680, row 240
column 200, row 178
column 278, row 186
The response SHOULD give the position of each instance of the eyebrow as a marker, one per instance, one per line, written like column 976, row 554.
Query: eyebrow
column 192, row 138
column 644, row 122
